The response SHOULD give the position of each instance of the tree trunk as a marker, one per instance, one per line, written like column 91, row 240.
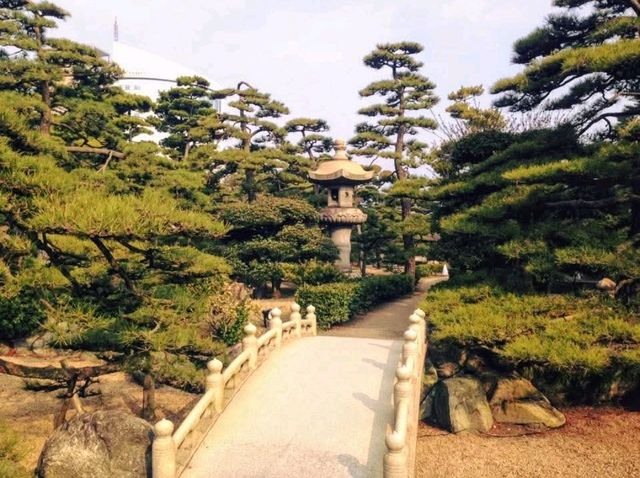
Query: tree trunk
column 249, row 184
column 635, row 207
column 187, row 148
column 45, row 116
column 408, row 242
column 407, row 239
column 148, row 398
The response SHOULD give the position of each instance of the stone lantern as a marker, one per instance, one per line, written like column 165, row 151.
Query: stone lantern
column 339, row 176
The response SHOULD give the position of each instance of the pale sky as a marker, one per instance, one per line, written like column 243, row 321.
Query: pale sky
column 308, row 53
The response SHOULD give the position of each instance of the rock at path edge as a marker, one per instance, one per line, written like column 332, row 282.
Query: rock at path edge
column 109, row 443
column 460, row 404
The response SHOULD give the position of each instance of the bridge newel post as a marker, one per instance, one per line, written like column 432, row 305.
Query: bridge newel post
column 311, row 317
column 395, row 464
column 250, row 344
column 163, row 451
column 410, row 348
column 215, row 382
column 297, row 318
column 275, row 322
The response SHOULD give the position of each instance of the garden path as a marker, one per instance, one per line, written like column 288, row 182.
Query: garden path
column 318, row 407
column 388, row 321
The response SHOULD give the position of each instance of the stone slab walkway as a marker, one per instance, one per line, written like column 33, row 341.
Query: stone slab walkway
column 318, row 407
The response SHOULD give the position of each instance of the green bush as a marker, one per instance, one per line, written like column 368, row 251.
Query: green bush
column 313, row 272
column 374, row 290
column 426, row 270
column 334, row 302
column 339, row 302
column 19, row 316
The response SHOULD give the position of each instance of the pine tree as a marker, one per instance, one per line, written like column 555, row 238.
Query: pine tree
column 251, row 124
column 79, row 102
column 397, row 120
column 585, row 59
column 466, row 109
column 181, row 111
column 312, row 142
column 116, row 257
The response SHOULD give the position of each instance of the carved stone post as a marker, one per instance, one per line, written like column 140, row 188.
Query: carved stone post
column 416, row 326
column 297, row 318
column 311, row 317
column 395, row 459
column 410, row 347
column 250, row 343
column 275, row 322
column 402, row 388
column 163, row 451
column 215, row 382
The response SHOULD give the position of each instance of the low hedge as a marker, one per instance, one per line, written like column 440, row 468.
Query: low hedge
column 339, row 302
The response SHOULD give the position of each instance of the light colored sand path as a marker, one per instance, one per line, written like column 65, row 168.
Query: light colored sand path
column 388, row 321
column 319, row 407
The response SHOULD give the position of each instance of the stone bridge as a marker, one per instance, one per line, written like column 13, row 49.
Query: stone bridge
column 295, row 404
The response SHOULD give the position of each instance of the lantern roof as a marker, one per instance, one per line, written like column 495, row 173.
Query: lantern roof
column 340, row 169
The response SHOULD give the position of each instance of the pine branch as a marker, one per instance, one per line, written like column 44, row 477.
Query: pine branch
column 585, row 204
column 89, row 149
column 115, row 265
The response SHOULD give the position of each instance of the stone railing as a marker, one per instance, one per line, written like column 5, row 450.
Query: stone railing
column 171, row 451
column 399, row 459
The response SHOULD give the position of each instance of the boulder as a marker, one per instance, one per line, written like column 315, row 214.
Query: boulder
column 460, row 404
column 447, row 358
column 100, row 444
column 606, row 284
column 516, row 400
column 429, row 378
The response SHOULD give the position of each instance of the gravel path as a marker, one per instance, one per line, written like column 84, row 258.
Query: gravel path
column 596, row 442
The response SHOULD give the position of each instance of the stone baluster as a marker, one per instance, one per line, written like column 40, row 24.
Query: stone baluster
column 416, row 325
column 215, row 382
column 402, row 388
column 250, row 344
column 395, row 459
column 163, row 451
column 275, row 322
column 311, row 317
column 410, row 347
column 297, row 318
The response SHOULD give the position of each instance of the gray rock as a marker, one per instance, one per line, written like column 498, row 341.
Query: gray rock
column 447, row 358
column 460, row 404
column 516, row 400
column 426, row 406
column 102, row 444
column 429, row 379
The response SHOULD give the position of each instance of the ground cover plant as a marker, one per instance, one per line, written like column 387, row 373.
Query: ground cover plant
column 577, row 347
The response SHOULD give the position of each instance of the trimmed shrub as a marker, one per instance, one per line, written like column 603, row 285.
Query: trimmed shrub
column 339, row 302
column 374, row 290
column 334, row 302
